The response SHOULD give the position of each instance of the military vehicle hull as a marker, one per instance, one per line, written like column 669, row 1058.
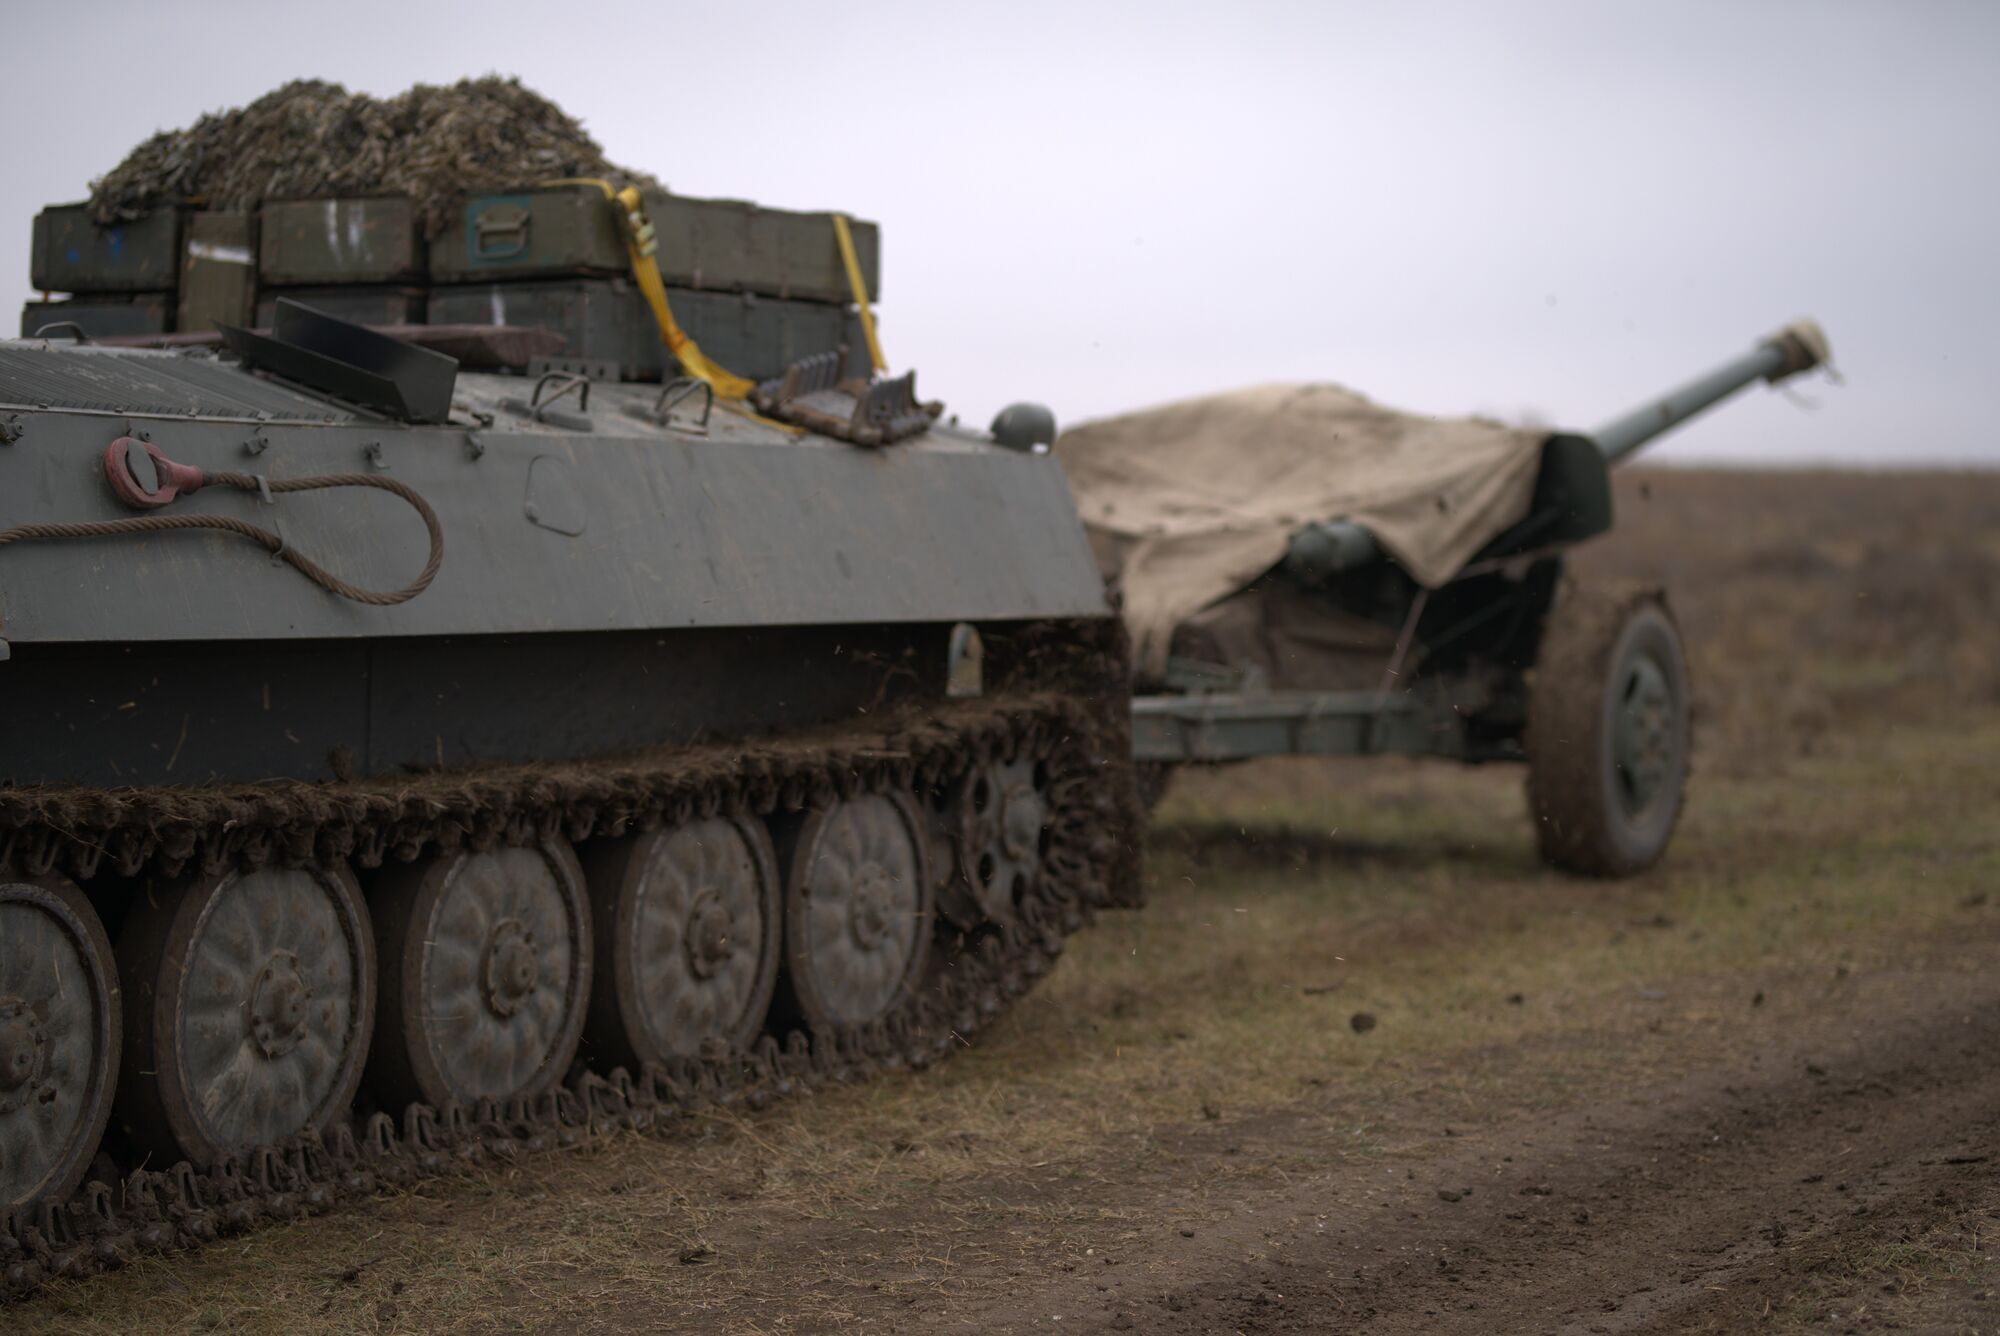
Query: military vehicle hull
column 715, row 760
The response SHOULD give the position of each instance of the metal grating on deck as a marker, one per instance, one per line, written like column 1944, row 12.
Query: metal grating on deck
column 126, row 380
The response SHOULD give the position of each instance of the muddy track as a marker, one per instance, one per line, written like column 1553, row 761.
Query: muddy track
column 108, row 1223
column 1697, row 1205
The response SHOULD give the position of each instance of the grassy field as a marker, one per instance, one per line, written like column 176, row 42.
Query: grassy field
column 1349, row 974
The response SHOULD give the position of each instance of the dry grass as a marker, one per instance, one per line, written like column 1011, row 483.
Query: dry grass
column 1938, row 1277
column 1814, row 600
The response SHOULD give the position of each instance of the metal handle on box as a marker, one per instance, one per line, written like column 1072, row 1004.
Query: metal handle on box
column 503, row 221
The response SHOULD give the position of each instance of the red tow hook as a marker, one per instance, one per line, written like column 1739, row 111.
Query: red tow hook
column 144, row 478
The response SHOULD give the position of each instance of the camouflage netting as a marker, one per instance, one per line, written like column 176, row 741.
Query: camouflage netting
column 311, row 139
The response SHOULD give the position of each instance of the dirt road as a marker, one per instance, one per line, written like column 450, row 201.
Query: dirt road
column 1745, row 1190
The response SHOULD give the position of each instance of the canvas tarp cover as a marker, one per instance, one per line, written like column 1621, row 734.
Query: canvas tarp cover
column 1188, row 503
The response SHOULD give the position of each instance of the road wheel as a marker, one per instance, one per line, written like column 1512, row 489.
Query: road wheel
column 486, row 959
column 998, row 818
column 249, row 1002
column 59, row 1037
column 689, row 935
column 858, row 910
column 1608, row 731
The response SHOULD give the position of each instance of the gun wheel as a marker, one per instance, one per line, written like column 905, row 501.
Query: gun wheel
column 251, row 997
column 59, row 1036
column 1608, row 733
column 691, row 935
column 486, row 959
column 858, row 910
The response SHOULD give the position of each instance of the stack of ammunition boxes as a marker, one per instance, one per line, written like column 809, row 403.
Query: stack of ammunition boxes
column 174, row 269
column 756, row 288
column 361, row 259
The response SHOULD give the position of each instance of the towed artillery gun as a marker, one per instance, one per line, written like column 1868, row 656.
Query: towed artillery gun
column 562, row 751
column 1305, row 573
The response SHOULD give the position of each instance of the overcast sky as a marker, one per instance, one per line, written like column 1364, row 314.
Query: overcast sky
column 1547, row 210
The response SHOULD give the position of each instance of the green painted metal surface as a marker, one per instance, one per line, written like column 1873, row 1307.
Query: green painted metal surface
column 605, row 321
column 364, row 304
column 724, row 245
column 218, row 272
column 1209, row 728
column 329, row 241
column 74, row 254
column 629, row 526
column 104, row 317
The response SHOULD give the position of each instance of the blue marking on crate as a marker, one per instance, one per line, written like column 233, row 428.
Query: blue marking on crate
column 472, row 212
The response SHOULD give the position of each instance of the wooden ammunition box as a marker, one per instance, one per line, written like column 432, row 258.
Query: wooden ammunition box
column 318, row 242
column 704, row 244
column 387, row 304
column 74, row 253
column 607, row 321
column 103, row 317
column 218, row 272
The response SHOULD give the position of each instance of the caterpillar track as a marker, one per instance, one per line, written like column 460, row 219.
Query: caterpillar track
column 972, row 974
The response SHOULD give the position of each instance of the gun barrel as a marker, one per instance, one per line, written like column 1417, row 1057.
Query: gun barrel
column 1318, row 551
column 1795, row 348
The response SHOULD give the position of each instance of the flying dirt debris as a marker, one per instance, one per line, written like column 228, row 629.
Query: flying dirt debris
column 1307, row 573
column 420, row 757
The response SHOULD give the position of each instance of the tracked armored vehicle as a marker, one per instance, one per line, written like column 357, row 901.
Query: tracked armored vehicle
column 410, row 764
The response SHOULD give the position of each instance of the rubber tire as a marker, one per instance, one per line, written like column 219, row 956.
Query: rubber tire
column 1581, row 824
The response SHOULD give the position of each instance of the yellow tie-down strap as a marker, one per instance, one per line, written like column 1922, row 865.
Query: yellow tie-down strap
column 859, row 288
column 642, row 246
